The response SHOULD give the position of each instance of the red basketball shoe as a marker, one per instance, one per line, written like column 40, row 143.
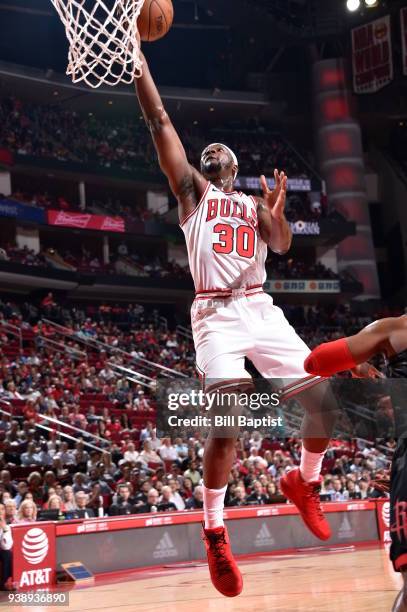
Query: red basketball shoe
column 305, row 495
column 225, row 574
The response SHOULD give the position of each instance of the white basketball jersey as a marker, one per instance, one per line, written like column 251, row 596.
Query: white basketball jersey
column 225, row 249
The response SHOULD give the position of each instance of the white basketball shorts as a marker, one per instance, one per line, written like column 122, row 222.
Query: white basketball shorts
column 226, row 330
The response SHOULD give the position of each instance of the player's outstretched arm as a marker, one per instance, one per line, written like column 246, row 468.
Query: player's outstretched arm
column 273, row 225
column 384, row 336
column 186, row 183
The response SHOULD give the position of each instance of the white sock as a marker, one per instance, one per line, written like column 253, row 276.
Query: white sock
column 311, row 464
column 213, row 503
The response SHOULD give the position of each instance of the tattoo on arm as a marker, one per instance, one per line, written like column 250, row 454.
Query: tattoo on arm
column 186, row 187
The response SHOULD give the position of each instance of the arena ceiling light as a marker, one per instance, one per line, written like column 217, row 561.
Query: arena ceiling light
column 353, row 5
column 371, row 3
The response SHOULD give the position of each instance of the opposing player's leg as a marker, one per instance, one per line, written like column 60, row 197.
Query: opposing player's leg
column 280, row 353
column 400, row 605
column 346, row 353
column 398, row 520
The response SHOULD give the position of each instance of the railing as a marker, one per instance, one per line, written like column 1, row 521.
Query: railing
column 149, row 366
column 13, row 330
column 164, row 322
column 136, row 377
column 61, row 433
column 64, row 348
column 184, row 331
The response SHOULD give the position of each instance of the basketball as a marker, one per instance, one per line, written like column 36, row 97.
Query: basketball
column 155, row 19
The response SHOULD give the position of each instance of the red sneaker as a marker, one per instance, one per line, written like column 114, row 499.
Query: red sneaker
column 225, row 574
column 305, row 495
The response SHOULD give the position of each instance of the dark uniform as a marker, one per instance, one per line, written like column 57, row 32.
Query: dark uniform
column 397, row 369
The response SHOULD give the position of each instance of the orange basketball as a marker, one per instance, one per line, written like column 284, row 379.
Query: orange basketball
column 155, row 19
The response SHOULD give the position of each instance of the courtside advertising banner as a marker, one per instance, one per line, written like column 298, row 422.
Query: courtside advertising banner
column 34, row 555
column 403, row 24
column 383, row 520
column 372, row 60
column 302, row 286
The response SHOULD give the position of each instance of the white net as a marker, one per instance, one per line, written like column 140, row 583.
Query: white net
column 103, row 47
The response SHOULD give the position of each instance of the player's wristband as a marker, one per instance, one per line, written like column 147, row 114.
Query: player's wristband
column 329, row 358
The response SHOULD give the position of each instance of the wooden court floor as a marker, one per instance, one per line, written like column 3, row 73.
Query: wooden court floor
column 355, row 580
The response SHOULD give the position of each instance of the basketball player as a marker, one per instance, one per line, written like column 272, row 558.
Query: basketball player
column 387, row 336
column 227, row 235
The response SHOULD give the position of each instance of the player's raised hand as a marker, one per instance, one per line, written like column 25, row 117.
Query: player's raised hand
column 275, row 198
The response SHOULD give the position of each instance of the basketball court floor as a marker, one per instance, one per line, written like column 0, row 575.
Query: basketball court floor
column 346, row 580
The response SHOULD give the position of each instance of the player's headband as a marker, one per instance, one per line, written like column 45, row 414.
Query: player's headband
column 233, row 156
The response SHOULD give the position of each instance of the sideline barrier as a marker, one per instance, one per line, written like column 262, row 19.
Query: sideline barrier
column 123, row 543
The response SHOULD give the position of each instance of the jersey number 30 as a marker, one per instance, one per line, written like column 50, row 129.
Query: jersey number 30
column 241, row 239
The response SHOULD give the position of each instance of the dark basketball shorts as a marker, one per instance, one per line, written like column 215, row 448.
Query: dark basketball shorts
column 398, row 507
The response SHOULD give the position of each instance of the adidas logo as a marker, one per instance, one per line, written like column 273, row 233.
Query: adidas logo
column 345, row 530
column 165, row 548
column 264, row 537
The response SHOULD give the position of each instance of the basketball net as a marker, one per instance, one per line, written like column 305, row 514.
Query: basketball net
column 103, row 47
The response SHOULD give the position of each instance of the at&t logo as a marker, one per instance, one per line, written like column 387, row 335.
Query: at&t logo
column 35, row 546
column 386, row 513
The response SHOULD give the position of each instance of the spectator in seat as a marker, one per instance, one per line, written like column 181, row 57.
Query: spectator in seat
column 256, row 440
column 65, row 455
column 337, row 493
column 5, row 479
column 165, row 503
column 43, row 457
column 257, row 497
column 95, row 478
column 175, row 494
column 182, row 448
column 55, row 503
column 123, row 505
column 146, row 432
column 168, row 452
column 96, row 500
column 187, row 488
column 363, row 488
column 255, row 459
column 81, row 499
column 238, row 499
column 27, row 512
column 141, row 403
column 273, row 496
column 50, row 481
column 140, row 499
column 48, row 301
column 193, row 473
column 11, row 392
column 11, row 511
column 68, row 498
column 148, row 455
column 196, row 501
column 131, row 455
column 79, row 483
column 154, row 441
column 152, row 502
column 351, row 491
column 6, row 545
column 22, row 490
column 35, row 487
